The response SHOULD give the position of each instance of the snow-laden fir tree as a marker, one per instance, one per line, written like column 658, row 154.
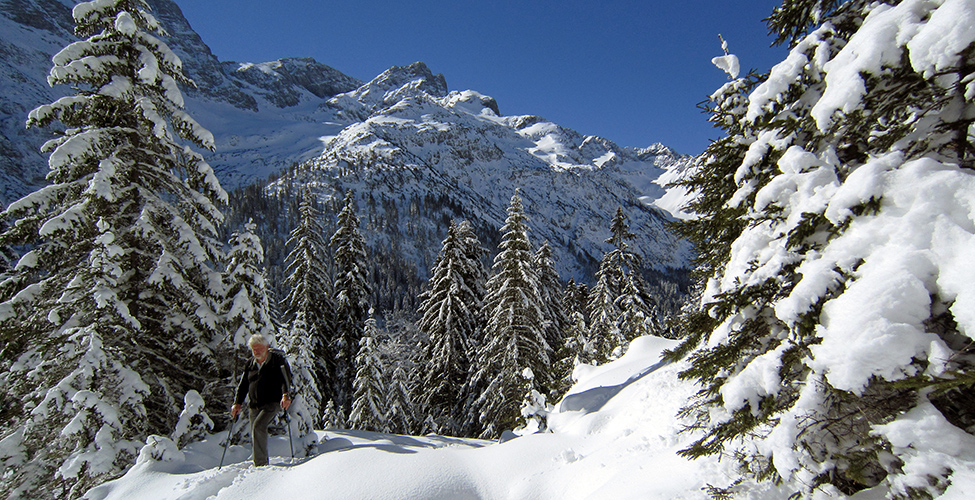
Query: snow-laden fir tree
column 637, row 316
column 308, row 281
column 247, row 307
column 369, row 400
column 636, row 305
column 351, row 300
column 577, row 334
column 575, row 350
column 449, row 317
column 551, row 291
column 514, row 332
column 194, row 424
column 331, row 418
column 620, row 305
column 575, row 296
column 576, row 347
column 400, row 410
column 604, row 313
column 835, row 232
column 306, row 407
column 110, row 318
column 475, row 253
column 7, row 255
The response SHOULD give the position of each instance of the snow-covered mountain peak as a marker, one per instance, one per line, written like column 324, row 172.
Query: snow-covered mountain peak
column 471, row 102
column 264, row 116
column 295, row 74
column 655, row 150
column 405, row 140
column 403, row 137
column 416, row 75
column 389, row 88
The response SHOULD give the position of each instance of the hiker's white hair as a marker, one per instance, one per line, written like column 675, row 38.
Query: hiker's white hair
column 258, row 339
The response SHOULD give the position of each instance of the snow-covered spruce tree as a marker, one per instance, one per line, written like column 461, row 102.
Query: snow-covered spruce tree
column 573, row 352
column 369, row 400
column 636, row 305
column 834, row 337
column 247, row 304
column 400, row 411
column 194, row 424
column 604, row 313
column 449, row 317
column 577, row 347
column 7, row 255
column 331, row 418
column 551, row 291
column 620, row 305
column 309, row 290
column 475, row 254
column 306, row 408
column 577, row 338
column 637, row 316
column 514, row 334
column 109, row 318
column 559, row 329
column 351, row 300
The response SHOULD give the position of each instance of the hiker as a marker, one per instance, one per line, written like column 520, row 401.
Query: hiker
column 265, row 383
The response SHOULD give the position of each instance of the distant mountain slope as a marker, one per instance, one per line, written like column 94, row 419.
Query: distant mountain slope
column 264, row 116
column 415, row 153
column 417, row 156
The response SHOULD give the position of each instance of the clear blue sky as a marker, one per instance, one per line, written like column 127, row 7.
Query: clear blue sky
column 631, row 71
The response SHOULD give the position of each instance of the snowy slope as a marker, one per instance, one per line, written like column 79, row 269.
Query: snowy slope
column 402, row 139
column 624, row 448
column 410, row 146
column 29, row 37
column 614, row 436
column 264, row 116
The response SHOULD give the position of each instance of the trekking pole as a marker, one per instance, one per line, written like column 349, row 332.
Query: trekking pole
column 230, row 434
column 287, row 419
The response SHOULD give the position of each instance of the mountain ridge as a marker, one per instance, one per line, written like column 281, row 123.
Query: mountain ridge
column 412, row 139
column 402, row 134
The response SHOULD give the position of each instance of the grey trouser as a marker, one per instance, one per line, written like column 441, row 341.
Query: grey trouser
column 260, row 418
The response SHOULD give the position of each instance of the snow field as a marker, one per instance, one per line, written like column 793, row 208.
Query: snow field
column 624, row 446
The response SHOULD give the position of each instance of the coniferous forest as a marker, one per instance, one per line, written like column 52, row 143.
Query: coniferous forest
column 136, row 288
column 827, row 325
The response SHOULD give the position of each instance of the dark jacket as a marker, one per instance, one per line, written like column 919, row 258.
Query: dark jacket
column 265, row 384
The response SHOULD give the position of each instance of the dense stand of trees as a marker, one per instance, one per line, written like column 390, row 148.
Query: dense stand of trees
column 433, row 335
column 126, row 314
column 456, row 364
column 481, row 343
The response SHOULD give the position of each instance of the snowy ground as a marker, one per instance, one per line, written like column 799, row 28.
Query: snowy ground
column 615, row 437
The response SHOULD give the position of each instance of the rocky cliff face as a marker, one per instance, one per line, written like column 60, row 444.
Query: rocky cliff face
column 415, row 153
column 243, row 104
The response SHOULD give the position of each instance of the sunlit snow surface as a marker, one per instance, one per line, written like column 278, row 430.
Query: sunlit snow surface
column 624, row 447
column 619, row 442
